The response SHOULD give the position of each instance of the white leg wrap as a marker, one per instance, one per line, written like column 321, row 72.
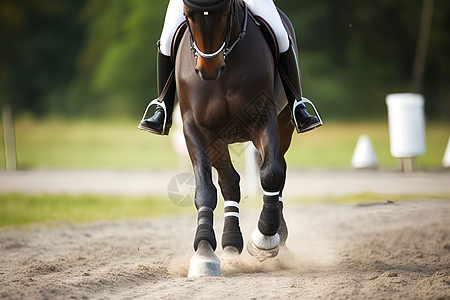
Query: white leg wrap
column 229, row 203
column 231, row 209
column 271, row 193
column 231, row 214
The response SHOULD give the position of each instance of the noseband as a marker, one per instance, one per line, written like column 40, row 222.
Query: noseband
column 224, row 47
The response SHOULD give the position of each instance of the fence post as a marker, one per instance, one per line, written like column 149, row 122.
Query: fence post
column 252, row 169
column 9, row 138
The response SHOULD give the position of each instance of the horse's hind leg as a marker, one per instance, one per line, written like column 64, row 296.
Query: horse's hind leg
column 265, row 239
column 285, row 130
column 282, row 229
column 232, row 241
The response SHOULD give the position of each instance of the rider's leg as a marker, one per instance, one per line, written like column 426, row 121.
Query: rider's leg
column 287, row 64
column 155, row 124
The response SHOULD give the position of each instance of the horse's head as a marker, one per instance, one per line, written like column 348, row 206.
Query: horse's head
column 209, row 25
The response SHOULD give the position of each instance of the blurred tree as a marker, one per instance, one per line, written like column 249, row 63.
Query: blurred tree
column 117, row 66
column 98, row 57
column 40, row 42
column 353, row 53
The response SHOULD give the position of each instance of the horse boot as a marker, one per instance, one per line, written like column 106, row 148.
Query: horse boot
column 161, row 121
column 290, row 75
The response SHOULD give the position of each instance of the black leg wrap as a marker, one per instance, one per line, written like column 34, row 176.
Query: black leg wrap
column 269, row 220
column 205, row 229
column 232, row 235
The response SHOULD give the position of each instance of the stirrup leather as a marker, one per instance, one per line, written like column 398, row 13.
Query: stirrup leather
column 303, row 101
column 163, row 106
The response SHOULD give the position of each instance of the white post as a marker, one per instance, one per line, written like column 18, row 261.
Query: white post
column 446, row 158
column 252, row 170
column 9, row 138
column 406, row 118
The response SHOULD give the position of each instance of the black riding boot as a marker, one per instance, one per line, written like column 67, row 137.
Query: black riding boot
column 166, row 90
column 289, row 72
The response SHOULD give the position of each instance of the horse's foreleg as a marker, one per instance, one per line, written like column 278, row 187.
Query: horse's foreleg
column 265, row 239
column 204, row 262
column 232, row 241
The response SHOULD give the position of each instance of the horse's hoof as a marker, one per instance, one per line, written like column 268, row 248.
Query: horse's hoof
column 201, row 266
column 231, row 251
column 262, row 246
column 204, row 262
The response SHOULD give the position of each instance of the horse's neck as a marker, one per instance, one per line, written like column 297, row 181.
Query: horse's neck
column 237, row 21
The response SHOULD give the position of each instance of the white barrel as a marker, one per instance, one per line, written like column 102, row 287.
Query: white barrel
column 406, row 118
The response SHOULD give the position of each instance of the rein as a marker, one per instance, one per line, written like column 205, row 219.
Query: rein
column 224, row 47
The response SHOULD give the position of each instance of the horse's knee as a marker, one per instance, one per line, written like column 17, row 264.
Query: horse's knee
column 205, row 195
column 272, row 177
column 230, row 186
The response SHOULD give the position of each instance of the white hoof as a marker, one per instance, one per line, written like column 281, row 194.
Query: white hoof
column 262, row 246
column 204, row 266
column 204, row 262
column 231, row 251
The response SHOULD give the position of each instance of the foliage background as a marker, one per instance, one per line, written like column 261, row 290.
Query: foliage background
column 98, row 57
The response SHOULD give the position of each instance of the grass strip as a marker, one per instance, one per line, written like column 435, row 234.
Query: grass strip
column 118, row 144
column 20, row 209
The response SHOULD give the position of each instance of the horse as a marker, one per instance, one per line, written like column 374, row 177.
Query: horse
column 230, row 91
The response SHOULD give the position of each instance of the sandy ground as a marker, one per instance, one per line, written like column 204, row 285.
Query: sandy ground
column 379, row 251
column 304, row 183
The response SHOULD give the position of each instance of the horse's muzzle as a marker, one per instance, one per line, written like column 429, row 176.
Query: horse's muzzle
column 206, row 76
column 210, row 69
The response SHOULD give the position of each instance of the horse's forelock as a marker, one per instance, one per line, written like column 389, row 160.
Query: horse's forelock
column 206, row 5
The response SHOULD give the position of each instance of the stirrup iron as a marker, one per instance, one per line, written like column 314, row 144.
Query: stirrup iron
column 163, row 106
column 312, row 126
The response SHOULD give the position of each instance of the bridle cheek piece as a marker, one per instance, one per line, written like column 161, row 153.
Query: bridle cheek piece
column 223, row 48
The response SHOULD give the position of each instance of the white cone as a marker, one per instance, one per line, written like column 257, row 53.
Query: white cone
column 364, row 155
column 446, row 159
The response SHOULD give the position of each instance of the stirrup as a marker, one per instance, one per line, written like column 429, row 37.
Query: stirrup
column 312, row 126
column 157, row 103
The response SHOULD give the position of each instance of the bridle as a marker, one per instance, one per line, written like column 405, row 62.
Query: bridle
column 224, row 46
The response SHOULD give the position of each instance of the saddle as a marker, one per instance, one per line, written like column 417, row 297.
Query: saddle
column 262, row 24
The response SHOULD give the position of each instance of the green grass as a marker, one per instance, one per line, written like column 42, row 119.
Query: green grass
column 82, row 144
column 20, row 209
column 368, row 198
column 118, row 144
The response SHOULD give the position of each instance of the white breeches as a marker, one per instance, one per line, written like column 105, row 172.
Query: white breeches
column 263, row 8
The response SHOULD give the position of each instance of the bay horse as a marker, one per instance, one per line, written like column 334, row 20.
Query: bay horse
column 230, row 91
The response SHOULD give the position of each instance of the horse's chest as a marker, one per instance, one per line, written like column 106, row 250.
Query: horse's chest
column 235, row 118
